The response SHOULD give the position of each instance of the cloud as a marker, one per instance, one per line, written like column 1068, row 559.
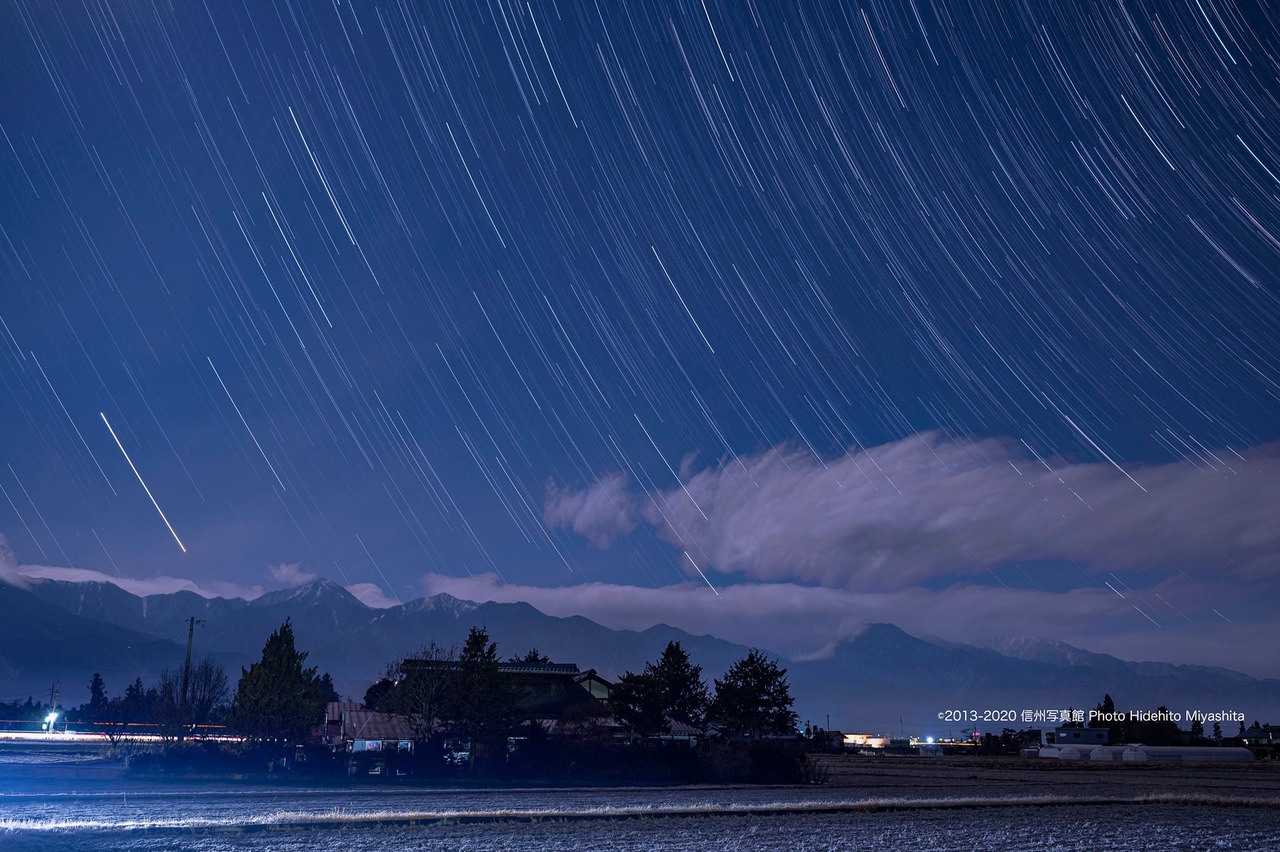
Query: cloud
column 22, row 575
column 371, row 595
column 797, row 620
column 290, row 574
column 158, row 585
column 9, row 566
column 929, row 506
column 805, row 622
column 600, row 513
column 287, row 573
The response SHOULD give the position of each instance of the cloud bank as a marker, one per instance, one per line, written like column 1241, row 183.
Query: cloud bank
column 794, row 620
column 806, row 622
column 285, row 574
column 929, row 506
column 158, row 585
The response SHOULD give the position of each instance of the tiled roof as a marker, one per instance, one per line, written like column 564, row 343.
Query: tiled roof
column 334, row 709
column 371, row 725
column 683, row 729
column 539, row 668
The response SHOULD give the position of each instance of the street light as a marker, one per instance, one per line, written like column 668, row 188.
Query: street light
column 49, row 720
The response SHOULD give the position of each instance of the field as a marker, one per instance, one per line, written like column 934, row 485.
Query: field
column 917, row 778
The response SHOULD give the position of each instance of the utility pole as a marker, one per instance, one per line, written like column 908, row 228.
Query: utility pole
column 52, row 718
column 186, row 671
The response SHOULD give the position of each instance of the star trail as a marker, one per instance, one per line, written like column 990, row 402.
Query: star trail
column 768, row 318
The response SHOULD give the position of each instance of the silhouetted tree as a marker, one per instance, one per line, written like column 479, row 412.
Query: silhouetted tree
column 682, row 693
column 417, row 687
column 208, row 690
column 670, row 689
column 168, row 710
column 327, row 687
column 381, row 695
column 122, row 711
column 1104, row 718
column 96, row 709
column 636, row 702
column 1159, row 731
column 754, row 697
column 532, row 656
column 479, row 702
column 277, row 700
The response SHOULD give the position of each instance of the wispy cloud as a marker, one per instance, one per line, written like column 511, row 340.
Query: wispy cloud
column 158, row 585
column 370, row 594
column 797, row 620
column 600, row 513
column 806, row 622
column 290, row 574
column 929, row 506
column 287, row 574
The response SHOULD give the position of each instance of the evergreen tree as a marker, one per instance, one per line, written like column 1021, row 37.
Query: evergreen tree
column 327, row 688
column 277, row 700
column 636, row 703
column 137, row 701
column 681, row 690
column 1104, row 717
column 96, row 709
column 754, row 697
column 479, row 703
column 381, row 696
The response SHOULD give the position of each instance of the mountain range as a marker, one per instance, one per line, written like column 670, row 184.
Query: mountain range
column 881, row 680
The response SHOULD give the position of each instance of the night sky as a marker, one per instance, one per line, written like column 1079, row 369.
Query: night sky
column 756, row 320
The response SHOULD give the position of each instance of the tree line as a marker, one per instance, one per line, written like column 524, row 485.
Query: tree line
column 452, row 693
column 276, row 699
column 181, row 701
column 464, row 694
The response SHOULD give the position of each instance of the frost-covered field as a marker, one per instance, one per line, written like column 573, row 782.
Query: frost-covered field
column 869, row 804
column 1069, row 827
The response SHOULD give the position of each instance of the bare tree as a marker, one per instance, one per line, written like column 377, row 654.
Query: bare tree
column 208, row 690
column 169, row 710
column 421, row 684
column 122, row 711
column 178, row 715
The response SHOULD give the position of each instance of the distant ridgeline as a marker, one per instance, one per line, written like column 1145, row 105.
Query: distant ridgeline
column 882, row 681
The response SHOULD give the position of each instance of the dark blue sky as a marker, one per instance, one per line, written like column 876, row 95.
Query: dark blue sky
column 958, row 316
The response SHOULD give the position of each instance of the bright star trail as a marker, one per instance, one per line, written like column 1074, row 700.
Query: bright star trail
column 769, row 320
column 142, row 482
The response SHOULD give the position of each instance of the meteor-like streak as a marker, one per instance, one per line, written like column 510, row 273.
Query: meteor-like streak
column 144, row 484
